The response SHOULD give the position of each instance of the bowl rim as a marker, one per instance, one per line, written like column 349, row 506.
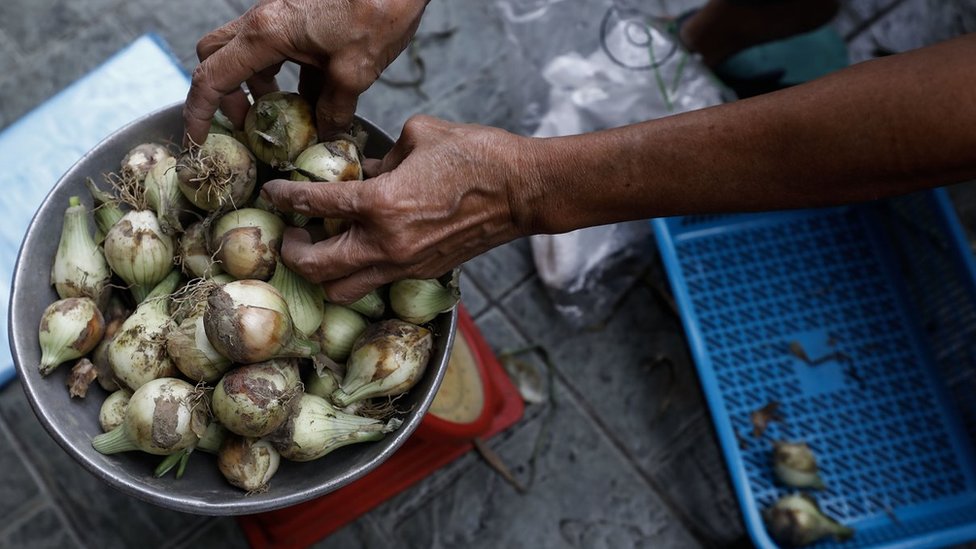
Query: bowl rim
column 152, row 494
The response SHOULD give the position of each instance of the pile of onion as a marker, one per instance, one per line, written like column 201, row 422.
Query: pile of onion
column 200, row 338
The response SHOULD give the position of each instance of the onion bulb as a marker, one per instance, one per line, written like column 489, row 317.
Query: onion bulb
column 795, row 465
column 306, row 301
column 316, row 428
column 387, row 360
column 218, row 175
column 248, row 321
column 191, row 351
column 112, row 412
column 419, row 301
column 253, row 400
column 79, row 269
column 247, row 242
column 141, row 159
column 138, row 250
column 69, row 329
column 327, row 162
column 163, row 417
column 137, row 353
column 339, row 330
column 279, row 126
column 194, row 252
column 248, row 463
column 796, row 520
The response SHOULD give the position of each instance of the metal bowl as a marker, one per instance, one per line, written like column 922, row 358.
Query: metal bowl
column 73, row 422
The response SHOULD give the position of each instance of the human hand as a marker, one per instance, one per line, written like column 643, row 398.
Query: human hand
column 342, row 48
column 444, row 194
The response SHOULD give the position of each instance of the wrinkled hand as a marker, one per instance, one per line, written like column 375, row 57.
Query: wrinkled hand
column 342, row 48
column 444, row 194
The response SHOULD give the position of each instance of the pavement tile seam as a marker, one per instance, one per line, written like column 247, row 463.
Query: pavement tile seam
column 45, row 492
column 579, row 401
column 29, row 509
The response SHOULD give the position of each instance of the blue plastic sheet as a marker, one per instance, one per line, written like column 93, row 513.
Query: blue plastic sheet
column 37, row 149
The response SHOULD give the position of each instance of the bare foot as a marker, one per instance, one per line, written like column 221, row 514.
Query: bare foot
column 722, row 28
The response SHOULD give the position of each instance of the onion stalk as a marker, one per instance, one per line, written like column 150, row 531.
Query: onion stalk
column 79, row 269
column 306, row 301
column 248, row 321
column 254, row 400
column 69, row 329
column 339, row 330
column 321, row 384
column 138, row 250
column 217, row 175
column 279, row 126
column 387, row 360
column 137, row 353
column 106, row 212
column 163, row 417
column 316, row 428
column 164, row 196
column 371, row 305
column 420, row 301
column 247, row 242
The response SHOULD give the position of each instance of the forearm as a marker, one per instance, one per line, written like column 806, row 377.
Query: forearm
column 876, row 129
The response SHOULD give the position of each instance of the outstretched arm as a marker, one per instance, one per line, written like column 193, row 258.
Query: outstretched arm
column 449, row 192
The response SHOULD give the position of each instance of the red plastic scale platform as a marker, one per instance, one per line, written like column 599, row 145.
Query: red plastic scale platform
column 430, row 448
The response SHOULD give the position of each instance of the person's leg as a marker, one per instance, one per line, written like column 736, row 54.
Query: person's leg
column 725, row 27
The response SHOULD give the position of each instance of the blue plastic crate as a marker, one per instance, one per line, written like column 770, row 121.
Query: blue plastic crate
column 887, row 291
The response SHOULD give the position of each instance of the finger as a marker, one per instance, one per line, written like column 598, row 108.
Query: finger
column 327, row 260
column 218, row 38
column 264, row 81
column 347, row 290
column 220, row 74
column 372, row 166
column 310, row 81
column 335, row 109
column 395, row 156
column 235, row 105
column 313, row 199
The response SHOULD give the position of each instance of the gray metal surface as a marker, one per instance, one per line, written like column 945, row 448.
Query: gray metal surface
column 73, row 422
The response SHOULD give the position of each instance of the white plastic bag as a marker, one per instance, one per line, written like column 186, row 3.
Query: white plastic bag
column 633, row 70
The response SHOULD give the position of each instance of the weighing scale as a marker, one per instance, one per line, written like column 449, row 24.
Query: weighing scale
column 436, row 443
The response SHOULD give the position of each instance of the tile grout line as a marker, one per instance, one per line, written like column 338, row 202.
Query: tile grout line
column 588, row 411
column 32, row 507
column 42, row 485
